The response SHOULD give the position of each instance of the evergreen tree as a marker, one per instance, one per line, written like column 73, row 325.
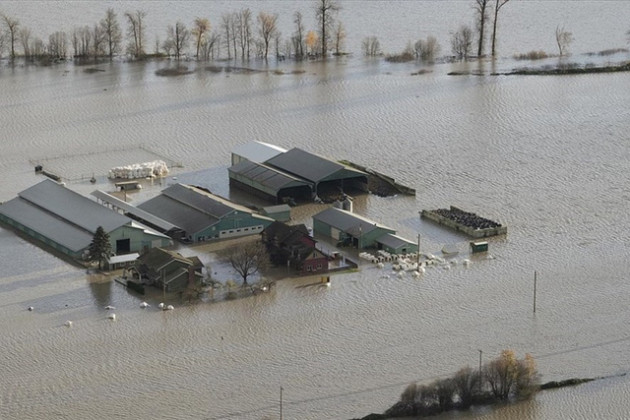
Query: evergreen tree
column 100, row 247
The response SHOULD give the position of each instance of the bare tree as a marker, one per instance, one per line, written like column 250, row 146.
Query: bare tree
column 339, row 37
column 111, row 32
column 176, row 39
column 481, row 10
column 426, row 50
column 12, row 26
column 244, row 35
column 461, row 42
column 210, row 45
column 465, row 382
column 81, row 41
column 325, row 13
column 267, row 29
column 24, row 36
column 200, row 28
column 502, row 374
column 38, row 48
column 249, row 259
column 135, row 31
column 563, row 39
column 57, row 45
column 371, row 46
column 2, row 42
column 98, row 41
column 298, row 35
column 498, row 4
column 443, row 391
column 226, row 25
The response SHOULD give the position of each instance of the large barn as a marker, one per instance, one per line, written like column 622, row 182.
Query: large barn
column 278, row 175
column 66, row 221
column 203, row 216
column 350, row 229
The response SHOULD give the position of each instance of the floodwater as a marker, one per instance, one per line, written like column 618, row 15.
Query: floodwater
column 547, row 156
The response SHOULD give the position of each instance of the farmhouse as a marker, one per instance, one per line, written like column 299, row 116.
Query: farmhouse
column 291, row 245
column 66, row 221
column 350, row 229
column 203, row 216
column 168, row 270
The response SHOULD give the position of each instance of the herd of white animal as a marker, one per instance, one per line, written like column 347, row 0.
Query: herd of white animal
column 402, row 264
column 112, row 315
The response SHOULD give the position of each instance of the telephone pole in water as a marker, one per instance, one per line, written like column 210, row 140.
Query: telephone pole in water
column 280, row 403
column 534, row 292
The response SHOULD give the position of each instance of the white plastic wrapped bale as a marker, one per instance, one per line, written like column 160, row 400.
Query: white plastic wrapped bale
column 157, row 168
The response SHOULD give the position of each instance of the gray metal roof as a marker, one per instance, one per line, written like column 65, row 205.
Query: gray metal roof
column 393, row 241
column 47, row 224
column 258, row 151
column 73, row 207
column 180, row 214
column 137, row 212
column 202, row 201
column 266, row 176
column 305, row 165
column 277, row 208
column 348, row 222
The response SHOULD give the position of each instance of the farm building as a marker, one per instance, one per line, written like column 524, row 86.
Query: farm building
column 140, row 215
column 204, row 216
column 279, row 212
column 292, row 245
column 395, row 244
column 350, row 229
column 66, row 221
column 294, row 174
column 256, row 151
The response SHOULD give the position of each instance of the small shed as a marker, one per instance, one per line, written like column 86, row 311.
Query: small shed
column 121, row 261
column 281, row 212
column 128, row 185
column 478, row 247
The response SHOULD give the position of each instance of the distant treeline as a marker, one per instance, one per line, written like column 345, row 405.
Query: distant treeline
column 243, row 35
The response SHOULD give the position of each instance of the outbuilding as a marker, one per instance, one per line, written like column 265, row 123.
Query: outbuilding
column 204, row 216
column 349, row 229
column 62, row 219
column 295, row 174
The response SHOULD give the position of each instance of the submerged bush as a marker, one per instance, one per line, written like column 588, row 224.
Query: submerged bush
column 532, row 55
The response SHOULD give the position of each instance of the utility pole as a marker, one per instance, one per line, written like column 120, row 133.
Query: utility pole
column 534, row 292
column 280, row 402
column 480, row 355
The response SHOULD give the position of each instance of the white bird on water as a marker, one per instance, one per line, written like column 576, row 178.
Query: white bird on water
column 112, row 317
column 68, row 324
column 30, row 308
column 144, row 305
column 170, row 307
column 161, row 305
column 108, row 307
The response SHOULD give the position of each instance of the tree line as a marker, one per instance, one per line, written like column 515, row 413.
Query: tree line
column 505, row 378
column 243, row 35
column 237, row 34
